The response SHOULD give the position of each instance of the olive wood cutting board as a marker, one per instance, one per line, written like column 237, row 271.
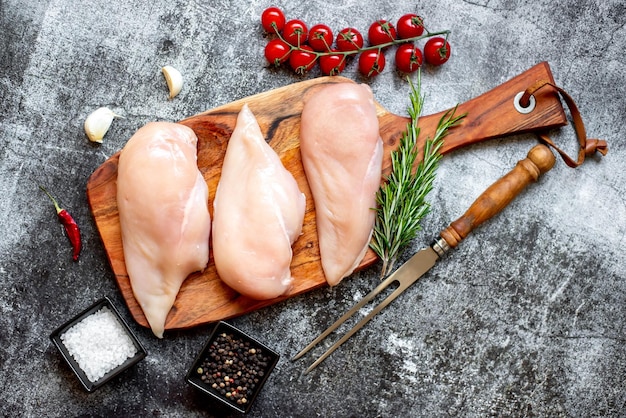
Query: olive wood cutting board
column 203, row 297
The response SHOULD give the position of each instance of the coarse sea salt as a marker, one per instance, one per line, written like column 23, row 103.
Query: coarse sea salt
column 99, row 344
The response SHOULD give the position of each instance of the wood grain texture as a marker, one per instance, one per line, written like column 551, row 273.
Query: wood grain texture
column 498, row 196
column 203, row 297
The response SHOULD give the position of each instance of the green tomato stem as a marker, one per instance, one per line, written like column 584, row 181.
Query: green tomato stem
column 367, row 48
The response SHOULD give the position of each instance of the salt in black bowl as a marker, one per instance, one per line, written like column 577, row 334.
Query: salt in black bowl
column 98, row 345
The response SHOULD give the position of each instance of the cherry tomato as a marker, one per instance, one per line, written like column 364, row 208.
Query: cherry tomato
column 408, row 58
column 295, row 32
column 320, row 37
column 410, row 26
column 381, row 32
column 273, row 16
column 302, row 60
column 332, row 64
column 436, row 51
column 371, row 62
column 349, row 39
column 277, row 52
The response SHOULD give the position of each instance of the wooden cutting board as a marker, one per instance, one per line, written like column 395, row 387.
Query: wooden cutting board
column 203, row 297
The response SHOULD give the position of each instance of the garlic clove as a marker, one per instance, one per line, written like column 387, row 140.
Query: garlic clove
column 174, row 80
column 98, row 123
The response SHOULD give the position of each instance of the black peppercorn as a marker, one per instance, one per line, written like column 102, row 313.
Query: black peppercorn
column 232, row 367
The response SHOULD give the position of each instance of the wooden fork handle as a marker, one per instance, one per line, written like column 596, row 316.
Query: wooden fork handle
column 491, row 202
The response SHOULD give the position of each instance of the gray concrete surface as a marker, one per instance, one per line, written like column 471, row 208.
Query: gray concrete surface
column 526, row 318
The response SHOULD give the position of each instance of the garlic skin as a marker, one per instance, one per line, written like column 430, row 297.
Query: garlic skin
column 174, row 80
column 98, row 123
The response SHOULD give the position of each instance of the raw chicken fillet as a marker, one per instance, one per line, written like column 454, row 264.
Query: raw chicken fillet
column 164, row 216
column 342, row 156
column 257, row 216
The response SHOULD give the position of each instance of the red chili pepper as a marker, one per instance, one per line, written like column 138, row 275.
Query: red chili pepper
column 70, row 225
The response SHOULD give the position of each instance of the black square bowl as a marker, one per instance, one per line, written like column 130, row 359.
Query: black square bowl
column 82, row 376
column 232, row 367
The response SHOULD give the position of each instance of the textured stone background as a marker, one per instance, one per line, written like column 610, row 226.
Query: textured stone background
column 526, row 318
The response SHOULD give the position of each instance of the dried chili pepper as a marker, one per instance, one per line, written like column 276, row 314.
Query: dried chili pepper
column 70, row 225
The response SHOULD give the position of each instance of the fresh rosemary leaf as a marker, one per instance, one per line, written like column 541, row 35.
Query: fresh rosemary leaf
column 402, row 197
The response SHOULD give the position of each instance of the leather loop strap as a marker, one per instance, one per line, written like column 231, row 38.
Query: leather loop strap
column 587, row 147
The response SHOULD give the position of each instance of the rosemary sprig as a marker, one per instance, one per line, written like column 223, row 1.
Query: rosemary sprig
column 402, row 198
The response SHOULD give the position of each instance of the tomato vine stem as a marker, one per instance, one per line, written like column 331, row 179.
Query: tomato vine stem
column 359, row 49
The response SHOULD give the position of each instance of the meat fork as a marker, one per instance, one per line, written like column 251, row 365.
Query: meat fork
column 491, row 202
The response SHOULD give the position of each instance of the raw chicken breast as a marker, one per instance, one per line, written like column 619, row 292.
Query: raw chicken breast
column 342, row 156
column 258, row 213
column 163, row 206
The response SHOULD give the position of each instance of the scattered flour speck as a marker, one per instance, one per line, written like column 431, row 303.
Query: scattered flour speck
column 406, row 349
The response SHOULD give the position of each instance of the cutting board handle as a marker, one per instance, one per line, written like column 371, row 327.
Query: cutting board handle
column 491, row 115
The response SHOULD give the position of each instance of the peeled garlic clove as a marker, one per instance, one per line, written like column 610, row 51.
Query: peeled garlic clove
column 174, row 80
column 98, row 122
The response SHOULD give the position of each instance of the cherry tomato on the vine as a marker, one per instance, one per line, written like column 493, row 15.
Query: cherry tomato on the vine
column 303, row 59
column 436, row 51
column 273, row 16
column 295, row 32
column 349, row 39
column 320, row 37
column 410, row 26
column 332, row 64
column 371, row 62
column 277, row 52
column 408, row 58
column 381, row 32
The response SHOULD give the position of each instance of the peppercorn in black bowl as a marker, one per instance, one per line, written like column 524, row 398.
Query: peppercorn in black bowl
column 232, row 367
column 98, row 345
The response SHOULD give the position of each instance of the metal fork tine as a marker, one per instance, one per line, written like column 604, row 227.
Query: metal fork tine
column 360, row 324
column 406, row 275
column 382, row 286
